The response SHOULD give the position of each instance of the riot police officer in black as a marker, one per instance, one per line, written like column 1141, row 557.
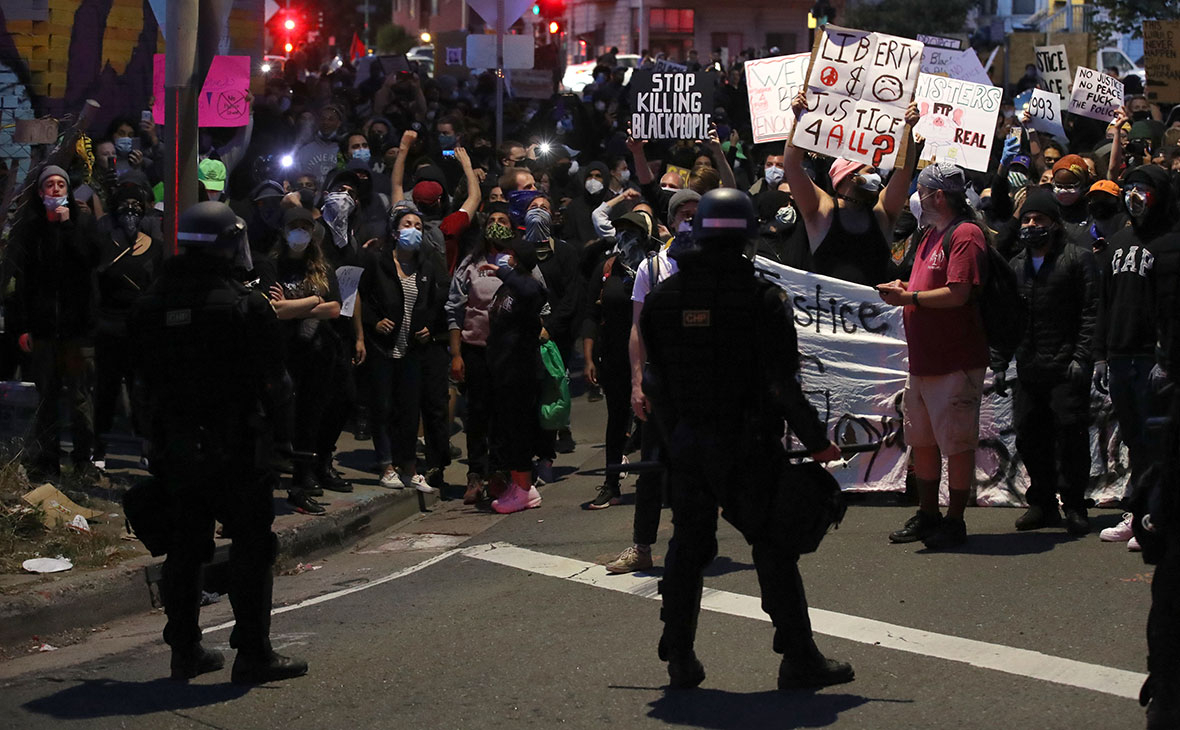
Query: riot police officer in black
column 209, row 353
column 723, row 377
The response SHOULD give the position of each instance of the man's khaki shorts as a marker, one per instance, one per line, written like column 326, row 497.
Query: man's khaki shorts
column 943, row 410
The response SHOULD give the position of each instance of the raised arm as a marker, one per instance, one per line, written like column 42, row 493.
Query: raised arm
column 471, row 205
column 399, row 167
column 639, row 156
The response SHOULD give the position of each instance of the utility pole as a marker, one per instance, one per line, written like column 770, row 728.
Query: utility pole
column 180, row 113
column 499, row 72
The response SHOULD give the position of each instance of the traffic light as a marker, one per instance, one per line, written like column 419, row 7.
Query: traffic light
column 554, row 27
column 288, row 29
column 550, row 9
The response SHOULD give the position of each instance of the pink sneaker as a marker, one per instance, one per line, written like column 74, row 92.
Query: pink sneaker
column 1133, row 545
column 1120, row 532
column 517, row 499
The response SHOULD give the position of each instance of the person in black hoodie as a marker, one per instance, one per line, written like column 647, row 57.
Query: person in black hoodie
column 579, row 220
column 1051, row 396
column 559, row 263
column 55, row 249
column 403, row 293
column 1125, row 335
column 131, row 254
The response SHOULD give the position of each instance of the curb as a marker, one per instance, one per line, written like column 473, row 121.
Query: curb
column 87, row 600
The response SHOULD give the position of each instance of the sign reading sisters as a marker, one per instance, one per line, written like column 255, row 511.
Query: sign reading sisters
column 958, row 120
column 771, row 84
column 1096, row 95
column 670, row 105
column 858, row 89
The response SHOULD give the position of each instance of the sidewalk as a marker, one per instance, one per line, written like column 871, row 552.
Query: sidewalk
column 79, row 599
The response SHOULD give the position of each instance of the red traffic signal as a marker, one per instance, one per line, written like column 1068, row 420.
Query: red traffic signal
column 289, row 24
column 554, row 27
column 551, row 9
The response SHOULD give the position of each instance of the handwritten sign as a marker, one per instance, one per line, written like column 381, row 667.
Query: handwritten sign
column 1053, row 66
column 953, row 44
column 663, row 65
column 1044, row 109
column 1161, row 60
column 771, row 84
column 958, row 120
column 348, row 278
column 532, row 83
column 857, row 91
column 670, row 105
column 962, row 65
column 223, row 98
column 1095, row 95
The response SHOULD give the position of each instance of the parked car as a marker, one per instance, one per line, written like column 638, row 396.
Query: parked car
column 579, row 75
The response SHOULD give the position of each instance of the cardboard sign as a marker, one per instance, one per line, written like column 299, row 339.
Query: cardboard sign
column 531, row 83
column 683, row 172
column 1053, row 66
column 670, row 105
column 858, row 87
column 348, row 278
column 393, row 65
column 1161, row 60
column 1044, row 108
column 958, row 120
column 953, row 44
column 771, row 84
column 1096, row 95
column 962, row 65
column 222, row 101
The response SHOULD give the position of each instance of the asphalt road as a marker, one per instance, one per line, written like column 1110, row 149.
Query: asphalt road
column 500, row 637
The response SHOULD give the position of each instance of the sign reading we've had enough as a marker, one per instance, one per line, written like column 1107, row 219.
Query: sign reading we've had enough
column 1096, row 95
column 670, row 105
column 771, row 85
column 857, row 92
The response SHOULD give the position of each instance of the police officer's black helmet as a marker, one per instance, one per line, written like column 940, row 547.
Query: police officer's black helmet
column 724, row 213
column 209, row 225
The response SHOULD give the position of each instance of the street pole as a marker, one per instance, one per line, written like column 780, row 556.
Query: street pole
column 499, row 72
column 642, row 27
column 180, row 113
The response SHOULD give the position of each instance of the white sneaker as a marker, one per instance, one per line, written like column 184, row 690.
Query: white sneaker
column 417, row 481
column 1120, row 532
column 100, row 464
column 1133, row 545
column 390, row 480
column 623, row 474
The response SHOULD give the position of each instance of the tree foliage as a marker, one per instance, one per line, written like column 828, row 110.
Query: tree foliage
column 909, row 17
column 1127, row 16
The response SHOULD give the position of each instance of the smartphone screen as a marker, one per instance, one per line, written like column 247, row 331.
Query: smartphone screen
column 145, row 115
column 448, row 153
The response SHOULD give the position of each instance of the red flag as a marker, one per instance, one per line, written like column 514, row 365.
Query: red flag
column 356, row 50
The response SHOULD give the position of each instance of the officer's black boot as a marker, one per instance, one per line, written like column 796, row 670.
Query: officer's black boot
column 303, row 479
column 327, row 476
column 685, row 671
column 190, row 661
column 256, row 662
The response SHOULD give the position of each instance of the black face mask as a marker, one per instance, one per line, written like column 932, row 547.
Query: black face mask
column 1141, row 115
column 1103, row 209
column 1034, row 237
column 129, row 222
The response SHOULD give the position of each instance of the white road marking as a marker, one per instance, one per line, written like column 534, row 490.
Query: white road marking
column 1021, row 662
column 350, row 590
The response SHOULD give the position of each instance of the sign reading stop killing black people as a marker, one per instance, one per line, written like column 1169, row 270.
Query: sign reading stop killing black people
column 670, row 105
column 857, row 91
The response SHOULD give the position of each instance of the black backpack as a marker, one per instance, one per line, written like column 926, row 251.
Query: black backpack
column 999, row 298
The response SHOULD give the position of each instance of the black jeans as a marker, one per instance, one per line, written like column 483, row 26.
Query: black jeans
column 515, row 428
column 649, row 486
column 1053, row 437
column 113, row 366
column 404, row 390
column 614, row 374
column 478, row 381
column 58, row 365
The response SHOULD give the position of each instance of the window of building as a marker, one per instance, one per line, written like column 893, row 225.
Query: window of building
column 671, row 20
column 1024, row 7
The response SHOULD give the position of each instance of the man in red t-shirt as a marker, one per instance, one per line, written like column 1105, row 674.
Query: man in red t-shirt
column 948, row 355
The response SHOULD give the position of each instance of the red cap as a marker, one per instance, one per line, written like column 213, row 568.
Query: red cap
column 1074, row 164
column 427, row 192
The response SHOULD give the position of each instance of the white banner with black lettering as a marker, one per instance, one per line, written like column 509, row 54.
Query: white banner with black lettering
column 855, row 362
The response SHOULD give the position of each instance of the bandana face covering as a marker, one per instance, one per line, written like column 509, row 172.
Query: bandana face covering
column 337, row 208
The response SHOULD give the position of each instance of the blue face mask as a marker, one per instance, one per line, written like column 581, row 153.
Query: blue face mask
column 362, row 154
column 123, row 145
column 409, row 239
column 503, row 259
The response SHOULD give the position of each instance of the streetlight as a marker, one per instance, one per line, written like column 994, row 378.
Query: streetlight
column 425, row 36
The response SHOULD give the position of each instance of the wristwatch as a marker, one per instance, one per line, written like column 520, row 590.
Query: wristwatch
column 914, row 299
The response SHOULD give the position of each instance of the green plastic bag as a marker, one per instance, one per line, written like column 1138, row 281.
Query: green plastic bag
column 555, row 390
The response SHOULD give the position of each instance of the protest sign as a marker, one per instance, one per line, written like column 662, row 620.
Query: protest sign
column 1044, row 108
column 531, row 83
column 858, row 87
column 683, row 172
column 962, row 65
column 958, row 120
column 348, row 278
column 854, row 364
column 1096, row 95
column 663, row 65
column 670, row 105
column 771, row 84
column 953, row 44
column 1054, row 69
column 222, row 101
column 1161, row 60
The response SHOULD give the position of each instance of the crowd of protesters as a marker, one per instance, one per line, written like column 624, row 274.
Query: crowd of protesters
column 472, row 255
